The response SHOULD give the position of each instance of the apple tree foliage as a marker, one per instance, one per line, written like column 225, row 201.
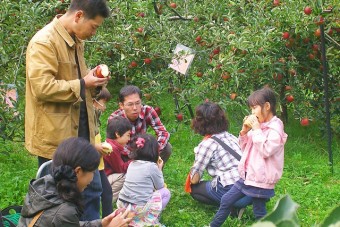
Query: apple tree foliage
column 239, row 47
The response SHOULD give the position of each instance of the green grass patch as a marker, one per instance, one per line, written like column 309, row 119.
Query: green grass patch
column 307, row 176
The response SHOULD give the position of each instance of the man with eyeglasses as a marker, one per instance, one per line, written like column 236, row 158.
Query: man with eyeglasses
column 141, row 117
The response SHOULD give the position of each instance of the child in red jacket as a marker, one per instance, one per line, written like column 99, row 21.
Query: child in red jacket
column 118, row 133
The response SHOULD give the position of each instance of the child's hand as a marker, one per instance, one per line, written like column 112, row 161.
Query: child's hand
column 160, row 163
column 251, row 121
column 104, row 148
column 118, row 218
column 246, row 126
column 100, row 149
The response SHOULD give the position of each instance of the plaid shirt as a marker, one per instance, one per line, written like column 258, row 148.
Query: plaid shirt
column 219, row 163
column 147, row 117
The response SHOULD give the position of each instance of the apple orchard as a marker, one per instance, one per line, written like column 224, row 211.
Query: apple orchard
column 239, row 46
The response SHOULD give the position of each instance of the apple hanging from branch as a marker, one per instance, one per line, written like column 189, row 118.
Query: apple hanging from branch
column 304, row 121
column 158, row 110
column 179, row 117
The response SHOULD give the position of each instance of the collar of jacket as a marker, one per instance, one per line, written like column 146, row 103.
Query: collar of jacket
column 63, row 33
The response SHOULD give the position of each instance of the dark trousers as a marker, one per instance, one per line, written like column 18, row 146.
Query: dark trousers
column 228, row 200
column 166, row 152
column 106, row 197
column 204, row 193
column 91, row 197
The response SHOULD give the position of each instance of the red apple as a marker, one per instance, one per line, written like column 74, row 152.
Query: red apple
column 225, row 76
column 198, row 39
column 306, row 40
column 216, row 51
column 218, row 66
column 282, row 60
column 133, row 64
column 311, row 56
column 233, row 96
column 315, row 47
column 196, row 19
column 317, row 32
column 102, row 71
column 330, row 32
column 179, row 117
column 292, row 72
column 173, row 5
column 307, row 10
column 285, row 35
column 158, row 110
column 147, row 61
column 141, row 14
column 319, row 20
column 304, row 121
column 140, row 29
column 288, row 88
column 199, row 74
column 290, row 98
column 276, row 2
column 147, row 96
column 277, row 76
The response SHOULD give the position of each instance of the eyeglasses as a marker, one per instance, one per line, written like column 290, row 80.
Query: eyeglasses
column 100, row 104
column 132, row 104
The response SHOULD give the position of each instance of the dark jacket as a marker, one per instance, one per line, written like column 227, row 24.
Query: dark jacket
column 43, row 195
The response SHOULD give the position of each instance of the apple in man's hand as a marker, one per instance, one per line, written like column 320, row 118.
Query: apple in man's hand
column 102, row 71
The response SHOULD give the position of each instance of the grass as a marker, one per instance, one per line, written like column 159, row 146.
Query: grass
column 307, row 176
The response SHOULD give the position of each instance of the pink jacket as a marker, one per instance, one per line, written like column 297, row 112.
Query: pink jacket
column 263, row 154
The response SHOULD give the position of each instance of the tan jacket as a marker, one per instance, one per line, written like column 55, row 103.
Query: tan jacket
column 53, row 90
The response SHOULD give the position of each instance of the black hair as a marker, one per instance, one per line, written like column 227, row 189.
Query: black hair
column 91, row 8
column 129, row 90
column 104, row 94
column 119, row 125
column 71, row 153
column 261, row 96
column 209, row 119
column 149, row 151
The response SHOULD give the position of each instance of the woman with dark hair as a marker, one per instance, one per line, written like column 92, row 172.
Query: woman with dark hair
column 56, row 199
column 144, row 187
column 211, row 155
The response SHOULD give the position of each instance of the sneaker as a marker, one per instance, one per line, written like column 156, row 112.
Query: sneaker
column 240, row 213
column 236, row 212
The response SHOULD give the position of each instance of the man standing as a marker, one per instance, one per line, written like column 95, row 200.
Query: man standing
column 59, row 87
column 142, row 116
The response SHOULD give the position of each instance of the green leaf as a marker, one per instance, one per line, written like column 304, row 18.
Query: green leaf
column 264, row 224
column 285, row 209
column 333, row 218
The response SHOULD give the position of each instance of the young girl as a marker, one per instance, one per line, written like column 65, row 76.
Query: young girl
column 262, row 140
column 144, row 184
column 99, row 104
column 56, row 199
column 118, row 132
column 210, row 121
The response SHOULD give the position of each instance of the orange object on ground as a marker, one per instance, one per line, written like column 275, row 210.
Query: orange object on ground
column 187, row 187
